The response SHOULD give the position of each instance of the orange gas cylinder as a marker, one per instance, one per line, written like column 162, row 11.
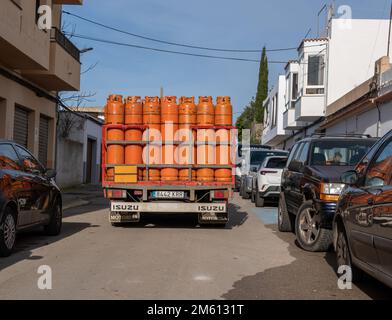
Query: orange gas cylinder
column 152, row 119
column 187, row 154
column 223, row 117
column 114, row 110
column 169, row 127
column 134, row 116
column 205, row 139
column 205, row 111
column 223, row 155
column 223, row 112
column 115, row 152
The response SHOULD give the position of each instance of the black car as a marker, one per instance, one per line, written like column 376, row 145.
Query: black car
column 311, row 186
column 28, row 195
column 363, row 222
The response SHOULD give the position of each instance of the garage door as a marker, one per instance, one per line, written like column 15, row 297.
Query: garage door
column 21, row 126
column 43, row 140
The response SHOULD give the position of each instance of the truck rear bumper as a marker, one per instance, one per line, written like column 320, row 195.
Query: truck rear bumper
column 168, row 207
column 214, row 213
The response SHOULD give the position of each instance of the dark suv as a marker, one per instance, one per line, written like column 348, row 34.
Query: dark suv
column 28, row 195
column 311, row 186
column 363, row 220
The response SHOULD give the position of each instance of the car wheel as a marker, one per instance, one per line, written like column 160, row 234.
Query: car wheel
column 285, row 219
column 241, row 189
column 55, row 222
column 310, row 236
column 246, row 195
column 259, row 201
column 343, row 256
column 7, row 233
column 253, row 197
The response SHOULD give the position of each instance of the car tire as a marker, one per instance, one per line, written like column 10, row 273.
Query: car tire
column 53, row 228
column 253, row 197
column 259, row 201
column 7, row 232
column 246, row 196
column 310, row 236
column 343, row 256
column 285, row 219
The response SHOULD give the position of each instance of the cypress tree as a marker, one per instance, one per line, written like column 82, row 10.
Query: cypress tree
column 262, row 87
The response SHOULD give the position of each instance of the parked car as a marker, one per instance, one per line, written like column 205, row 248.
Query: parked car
column 266, row 183
column 242, row 156
column 28, row 195
column 363, row 222
column 311, row 186
column 255, row 160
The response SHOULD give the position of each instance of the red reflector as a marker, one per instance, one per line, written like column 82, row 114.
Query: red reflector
column 138, row 192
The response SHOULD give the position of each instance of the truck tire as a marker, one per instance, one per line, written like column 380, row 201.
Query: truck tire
column 53, row 228
column 7, row 233
column 310, row 236
column 285, row 219
column 259, row 201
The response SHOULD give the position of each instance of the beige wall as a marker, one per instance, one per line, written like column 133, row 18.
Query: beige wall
column 11, row 94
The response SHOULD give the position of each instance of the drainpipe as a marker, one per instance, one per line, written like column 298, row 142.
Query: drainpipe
column 378, row 120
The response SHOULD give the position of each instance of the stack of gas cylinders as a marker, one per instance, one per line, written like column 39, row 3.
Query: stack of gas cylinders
column 168, row 140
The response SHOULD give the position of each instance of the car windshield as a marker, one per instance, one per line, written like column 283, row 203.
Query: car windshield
column 257, row 157
column 339, row 152
column 276, row 163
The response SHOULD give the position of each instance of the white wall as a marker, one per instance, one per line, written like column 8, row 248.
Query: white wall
column 367, row 122
column 93, row 131
column 353, row 52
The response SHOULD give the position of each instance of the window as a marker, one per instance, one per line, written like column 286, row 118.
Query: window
column 276, row 163
column 316, row 70
column 294, row 87
column 275, row 111
column 8, row 158
column 258, row 157
column 29, row 162
column 304, row 153
column 339, row 152
column 380, row 170
column 292, row 153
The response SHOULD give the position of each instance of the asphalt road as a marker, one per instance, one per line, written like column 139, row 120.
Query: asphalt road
column 171, row 257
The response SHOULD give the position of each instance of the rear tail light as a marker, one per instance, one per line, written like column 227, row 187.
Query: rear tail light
column 220, row 194
column 116, row 194
column 263, row 173
column 138, row 192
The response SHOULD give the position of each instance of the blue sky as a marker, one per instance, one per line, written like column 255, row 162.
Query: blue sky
column 246, row 24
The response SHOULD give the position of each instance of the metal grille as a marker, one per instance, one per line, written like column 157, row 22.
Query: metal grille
column 21, row 126
column 43, row 140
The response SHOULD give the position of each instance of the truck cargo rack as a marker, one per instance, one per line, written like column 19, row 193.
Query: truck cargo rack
column 195, row 184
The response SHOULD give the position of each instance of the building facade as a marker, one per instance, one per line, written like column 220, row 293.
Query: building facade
column 327, row 69
column 35, row 64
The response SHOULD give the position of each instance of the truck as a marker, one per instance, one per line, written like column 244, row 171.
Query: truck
column 133, row 194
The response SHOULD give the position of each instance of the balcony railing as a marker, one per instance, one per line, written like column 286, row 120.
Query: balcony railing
column 57, row 36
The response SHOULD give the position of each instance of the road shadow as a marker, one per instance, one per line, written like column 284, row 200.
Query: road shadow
column 308, row 277
column 27, row 241
column 95, row 204
column 237, row 217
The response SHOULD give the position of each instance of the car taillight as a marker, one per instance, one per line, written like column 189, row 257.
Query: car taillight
column 116, row 194
column 263, row 173
column 138, row 192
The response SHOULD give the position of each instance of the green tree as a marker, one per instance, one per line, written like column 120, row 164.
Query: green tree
column 262, row 87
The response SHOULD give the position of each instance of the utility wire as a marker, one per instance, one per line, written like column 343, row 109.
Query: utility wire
column 175, row 43
column 167, row 51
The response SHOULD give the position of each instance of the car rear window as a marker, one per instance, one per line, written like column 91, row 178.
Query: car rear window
column 276, row 163
column 339, row 152
column 257, row 157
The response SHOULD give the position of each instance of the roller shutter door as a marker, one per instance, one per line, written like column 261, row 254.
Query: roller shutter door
column 43, row 140
column 21, row 126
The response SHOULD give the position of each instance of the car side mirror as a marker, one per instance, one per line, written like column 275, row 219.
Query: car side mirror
column 50, row 174
column 296, row 166
column 350, row 177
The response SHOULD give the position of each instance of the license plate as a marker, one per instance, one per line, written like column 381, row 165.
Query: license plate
column 168, row 194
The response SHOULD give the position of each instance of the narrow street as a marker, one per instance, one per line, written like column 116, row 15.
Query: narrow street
column 170, row 257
